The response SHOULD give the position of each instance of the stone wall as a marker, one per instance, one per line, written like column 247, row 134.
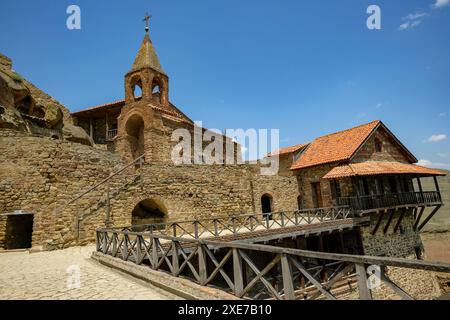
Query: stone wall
column 390, row 149
column 198, row 192
column 40, row 174
column 400, row 244
column 306, row 177
column 3, row 222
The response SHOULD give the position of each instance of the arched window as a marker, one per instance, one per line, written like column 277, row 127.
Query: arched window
column 378, row 145
column 157, row 90
column 137, row 91
column 136, row 87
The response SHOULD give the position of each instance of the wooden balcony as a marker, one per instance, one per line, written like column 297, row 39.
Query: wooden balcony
column 371, row 202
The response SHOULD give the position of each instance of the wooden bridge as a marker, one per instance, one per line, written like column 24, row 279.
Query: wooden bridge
column 224, row 253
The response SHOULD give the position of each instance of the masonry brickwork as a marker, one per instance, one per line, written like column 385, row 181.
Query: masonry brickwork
column 402, row 243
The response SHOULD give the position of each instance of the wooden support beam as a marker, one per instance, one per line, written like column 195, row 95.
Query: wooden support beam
column 436, row 209
column 288, row 282
column 436, row 184
column 202, row 267
column 419, row 217
column 364, row 291
column 91, row 128
column 380, row 218
column 345, row 271
column 400, row 219
column 238, row 273
column 316, row 283
column 419, row 183
column 388, row 224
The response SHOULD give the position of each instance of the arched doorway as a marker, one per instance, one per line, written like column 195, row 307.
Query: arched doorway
column 148, row 211
column 135, row 130
column 266, row 205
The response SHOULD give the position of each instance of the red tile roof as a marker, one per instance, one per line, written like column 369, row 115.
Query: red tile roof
column 335, row 147
column 372, row 168
column 288, row 150
column 118, row 103
column 170, row 110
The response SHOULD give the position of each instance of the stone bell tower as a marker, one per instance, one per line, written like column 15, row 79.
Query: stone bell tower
column 140, row 124
column 147, row 74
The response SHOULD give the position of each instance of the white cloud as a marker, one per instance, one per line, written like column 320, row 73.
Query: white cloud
column 437, row 138
column 443, row 114
column 409, row 25
column 441, row 3
column 436, row 165
column 415, row 16
column 412, row 20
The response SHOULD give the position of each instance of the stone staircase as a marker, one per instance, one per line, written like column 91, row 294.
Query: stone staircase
column 91, row 206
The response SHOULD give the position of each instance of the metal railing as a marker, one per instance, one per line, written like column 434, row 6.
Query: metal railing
column 105, row 187
column 253, row 271
column 391, row 200
column 239, row 224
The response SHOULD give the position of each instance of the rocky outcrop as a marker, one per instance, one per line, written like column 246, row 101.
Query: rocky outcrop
column 76, row 134
column 22, row 102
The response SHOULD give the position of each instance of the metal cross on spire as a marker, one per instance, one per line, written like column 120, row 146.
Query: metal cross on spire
column 147, row 19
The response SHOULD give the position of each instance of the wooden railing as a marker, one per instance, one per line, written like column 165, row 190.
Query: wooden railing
column 391, row 200
column 239, row 224
column 254, row 271
column 111, row 134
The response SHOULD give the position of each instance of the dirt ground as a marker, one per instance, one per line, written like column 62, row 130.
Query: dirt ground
column 437, row 248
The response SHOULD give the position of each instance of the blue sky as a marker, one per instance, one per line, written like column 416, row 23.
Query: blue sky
column 306, row 67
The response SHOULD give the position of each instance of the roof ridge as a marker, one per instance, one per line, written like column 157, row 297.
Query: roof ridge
column 350, row 129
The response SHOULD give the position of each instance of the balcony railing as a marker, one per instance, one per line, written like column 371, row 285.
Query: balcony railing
column 391, row 200
column 111, row 134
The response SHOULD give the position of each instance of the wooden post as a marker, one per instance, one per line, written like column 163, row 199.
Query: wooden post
column 419, row 183
column 108, row 205
column 202, row 267
column 238, row 273
column 91, row 128
column 364, row 291
column 139, row 256
column 154, row 261
column 175, row 261
column 288, row 283
column 436, row 184
column 107, row 127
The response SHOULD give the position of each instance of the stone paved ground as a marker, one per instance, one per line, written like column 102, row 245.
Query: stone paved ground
column 44, row 276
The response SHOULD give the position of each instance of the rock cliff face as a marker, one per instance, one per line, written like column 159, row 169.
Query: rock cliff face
column 24, row 107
